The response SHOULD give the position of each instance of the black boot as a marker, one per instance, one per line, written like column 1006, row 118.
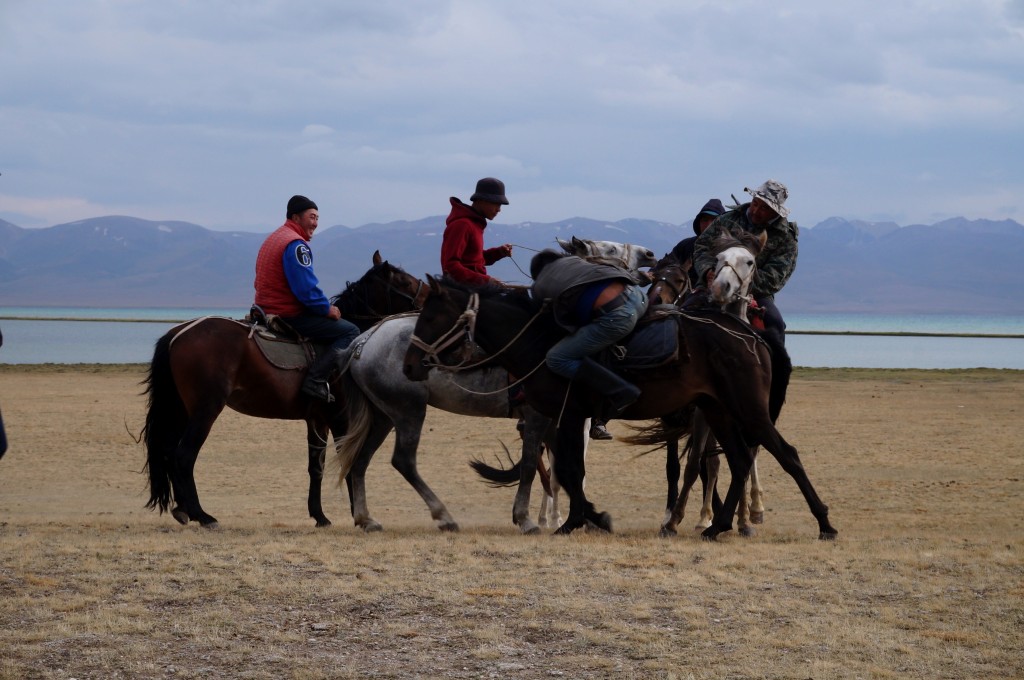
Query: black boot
column 617, row 392
column 315, row 384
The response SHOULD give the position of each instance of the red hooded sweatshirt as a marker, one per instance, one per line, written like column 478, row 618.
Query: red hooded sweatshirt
column 463, row 257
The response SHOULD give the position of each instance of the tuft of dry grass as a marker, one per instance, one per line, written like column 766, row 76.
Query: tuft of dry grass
column 922, row 471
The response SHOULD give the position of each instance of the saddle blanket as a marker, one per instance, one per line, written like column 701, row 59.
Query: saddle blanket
column 649, row 345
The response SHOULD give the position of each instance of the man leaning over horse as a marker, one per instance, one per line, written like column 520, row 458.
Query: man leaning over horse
column 287, row 286
column 599, row 304
column 765, row 213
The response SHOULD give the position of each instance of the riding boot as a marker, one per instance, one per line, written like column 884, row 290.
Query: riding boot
column 617, row 393
column 315, row 384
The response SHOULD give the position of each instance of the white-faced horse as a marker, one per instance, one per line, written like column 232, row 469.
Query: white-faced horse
column 379, row 397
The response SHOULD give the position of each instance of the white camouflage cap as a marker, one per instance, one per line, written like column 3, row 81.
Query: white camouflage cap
column 774, row 194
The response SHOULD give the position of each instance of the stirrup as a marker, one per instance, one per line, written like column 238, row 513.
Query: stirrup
column 319, row 389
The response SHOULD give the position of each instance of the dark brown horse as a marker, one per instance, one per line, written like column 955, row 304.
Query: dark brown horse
column 201, row 366
column 723, row 368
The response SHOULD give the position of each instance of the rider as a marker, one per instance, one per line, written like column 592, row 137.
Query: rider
column 765, row 212
column 463, row 257
column 599, row 304
column 683, row 251
column 286, row 286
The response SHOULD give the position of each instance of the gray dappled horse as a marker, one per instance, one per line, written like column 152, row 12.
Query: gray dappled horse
column 379, row 398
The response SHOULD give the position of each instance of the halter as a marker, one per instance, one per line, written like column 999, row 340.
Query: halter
column 464, row 327
column 737, row 296
column 678, row 291
column 416, row 298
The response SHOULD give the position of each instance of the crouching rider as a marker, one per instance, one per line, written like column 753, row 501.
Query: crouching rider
column 286, row 286
column 598, row 304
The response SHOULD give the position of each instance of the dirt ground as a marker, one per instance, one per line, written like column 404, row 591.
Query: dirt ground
column 922, row 471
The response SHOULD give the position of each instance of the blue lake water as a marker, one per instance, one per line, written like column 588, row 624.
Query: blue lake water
column 44, row 335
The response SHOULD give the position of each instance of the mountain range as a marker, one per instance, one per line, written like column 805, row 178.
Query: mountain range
column 957, row 266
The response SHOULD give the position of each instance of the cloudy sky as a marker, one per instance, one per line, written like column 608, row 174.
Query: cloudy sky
column 216, row 112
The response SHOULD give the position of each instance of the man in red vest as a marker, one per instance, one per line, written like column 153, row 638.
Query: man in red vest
column 463, row 256
column 286, row 286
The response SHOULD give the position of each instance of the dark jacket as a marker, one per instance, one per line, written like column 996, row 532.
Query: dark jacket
column 563, row 281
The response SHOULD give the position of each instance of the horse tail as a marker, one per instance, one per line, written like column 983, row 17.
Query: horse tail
column 657, row 432
column 498, row 476
column 782, row 370
column 166, row 419
column 360, row 419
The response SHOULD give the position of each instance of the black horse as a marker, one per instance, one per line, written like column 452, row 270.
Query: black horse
column 201, row 366
column 723, row 368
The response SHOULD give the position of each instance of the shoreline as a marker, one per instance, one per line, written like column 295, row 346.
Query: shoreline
column 799, row 372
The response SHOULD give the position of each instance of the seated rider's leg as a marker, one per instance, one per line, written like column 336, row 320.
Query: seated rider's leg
column 772, row 317
column 570, row 356
column 340, row 334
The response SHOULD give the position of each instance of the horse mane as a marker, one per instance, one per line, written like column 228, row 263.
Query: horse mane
column 352, row 287
column 752, row 242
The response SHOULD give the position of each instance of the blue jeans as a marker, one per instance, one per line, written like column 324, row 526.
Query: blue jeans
column 338, row 333
column 565, row 356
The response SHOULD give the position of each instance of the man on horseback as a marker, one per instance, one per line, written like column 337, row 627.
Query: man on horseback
column 765, row 212
column 286, row 286
column 599, row 304
column 463, row 257
column 683, row 251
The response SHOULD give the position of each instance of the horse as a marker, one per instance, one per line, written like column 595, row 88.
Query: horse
column 734, row 272
column 379, row 398
column 724, row 368
column 203, row 365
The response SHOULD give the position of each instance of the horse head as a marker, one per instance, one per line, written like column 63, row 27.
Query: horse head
column 623, row 255
column 671, row 281
column 736, row 263
column 382, row 291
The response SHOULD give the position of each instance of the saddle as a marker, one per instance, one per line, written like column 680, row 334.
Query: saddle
column 654, row 342
column 279, row 343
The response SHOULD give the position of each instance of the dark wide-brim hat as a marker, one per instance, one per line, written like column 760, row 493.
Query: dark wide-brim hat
column 491, row 190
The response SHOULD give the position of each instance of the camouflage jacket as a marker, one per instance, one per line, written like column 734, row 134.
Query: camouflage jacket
column 776, row 262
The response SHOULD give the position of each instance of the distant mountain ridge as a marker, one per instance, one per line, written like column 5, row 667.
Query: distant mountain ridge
column 955, row 266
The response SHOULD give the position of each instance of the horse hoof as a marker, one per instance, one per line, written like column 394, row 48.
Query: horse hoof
column 530, row 530
column 828, row 536
column 212, row 526
column 371, row 526
column 323, row 522
column 601, row 522
column 709, row 534
column 180, row 515
column 757, row 517
column 448, row 526
column 667, row 531
column 748, row 532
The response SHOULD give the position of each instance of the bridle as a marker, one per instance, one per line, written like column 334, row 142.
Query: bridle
column 737, row 296
column 677, row 291
column 463, row 330
column 416, row 298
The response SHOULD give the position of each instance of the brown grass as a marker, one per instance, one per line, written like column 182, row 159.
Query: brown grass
column 922, row 470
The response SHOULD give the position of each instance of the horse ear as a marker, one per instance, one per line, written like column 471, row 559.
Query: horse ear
column 435, row 285
column 377, row 258
column 577, row 245
column 566, row 245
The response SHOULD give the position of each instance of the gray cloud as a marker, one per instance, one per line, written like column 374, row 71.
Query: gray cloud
column 216, row 112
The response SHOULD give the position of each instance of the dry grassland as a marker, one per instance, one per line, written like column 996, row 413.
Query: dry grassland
column 922, row 470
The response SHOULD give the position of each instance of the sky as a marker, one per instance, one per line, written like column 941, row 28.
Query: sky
column 216, row 112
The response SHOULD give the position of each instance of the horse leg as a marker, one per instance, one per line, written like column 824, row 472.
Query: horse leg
column 316, row 439
column 545, row 482
column 756, row 494
column 672, row 473
column 743, row 524
column 379, row 428
column 690, row 473
column 712, row 466
column 533, row 435
column 737, row 454
column 407, row 440
column 183, row 464
column 570, row 469
column 789, row 459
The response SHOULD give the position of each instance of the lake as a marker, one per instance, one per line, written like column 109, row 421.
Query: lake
column 110, row 336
